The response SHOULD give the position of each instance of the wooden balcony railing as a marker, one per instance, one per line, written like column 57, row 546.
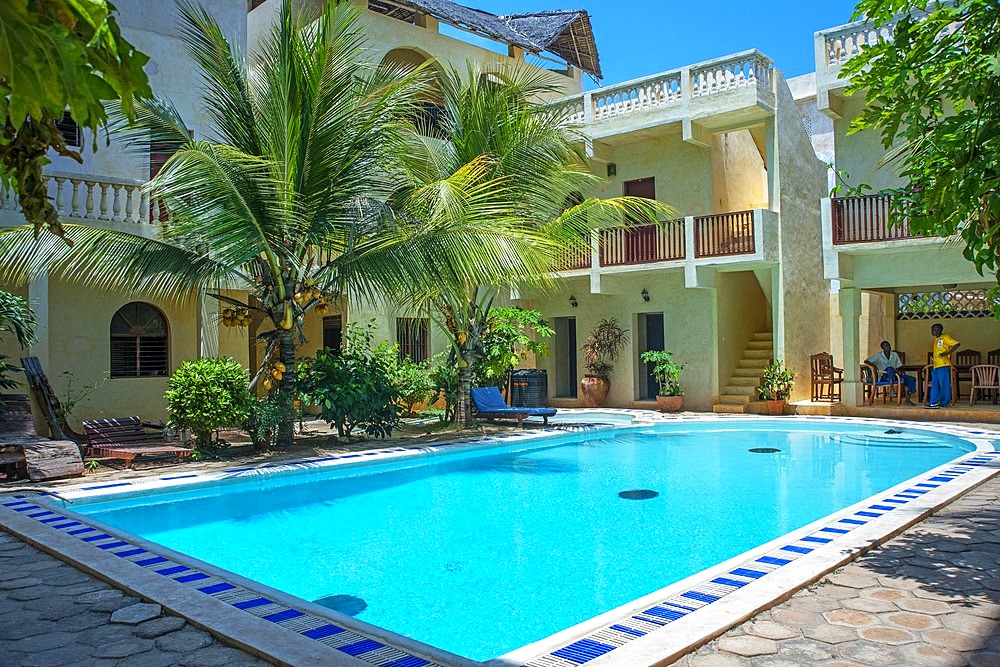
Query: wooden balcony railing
column 865, row 220
column 724, row 234
column 575, row 260
column 642, row 244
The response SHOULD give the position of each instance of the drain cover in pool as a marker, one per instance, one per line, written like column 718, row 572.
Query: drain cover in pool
column 764, row 450
column 638, row 494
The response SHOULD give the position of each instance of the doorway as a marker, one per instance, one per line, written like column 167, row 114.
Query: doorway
column 651, row 337
column 564, row 357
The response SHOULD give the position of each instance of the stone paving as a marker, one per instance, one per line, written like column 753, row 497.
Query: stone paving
column 928, row 597
column 52, row 614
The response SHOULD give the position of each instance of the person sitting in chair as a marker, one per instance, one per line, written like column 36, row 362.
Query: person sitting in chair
column 885, row 364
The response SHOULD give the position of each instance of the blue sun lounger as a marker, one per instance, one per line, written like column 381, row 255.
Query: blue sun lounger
column 489, row 403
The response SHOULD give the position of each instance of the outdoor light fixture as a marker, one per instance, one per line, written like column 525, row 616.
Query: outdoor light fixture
column 573, row 302
column 612, row 169
column 644, row 294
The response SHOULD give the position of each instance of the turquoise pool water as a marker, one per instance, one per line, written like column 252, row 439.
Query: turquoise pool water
column 483, row 552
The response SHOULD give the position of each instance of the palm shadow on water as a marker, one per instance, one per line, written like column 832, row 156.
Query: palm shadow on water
column 952, row 556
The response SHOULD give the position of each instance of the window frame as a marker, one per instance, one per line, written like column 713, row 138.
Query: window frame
column 159, row 371
column 406, row 327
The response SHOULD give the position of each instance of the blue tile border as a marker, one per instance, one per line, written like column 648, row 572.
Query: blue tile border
column 304, row 623
column 704, row 594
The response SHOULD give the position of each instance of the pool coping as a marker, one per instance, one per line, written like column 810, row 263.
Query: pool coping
column 624, row 636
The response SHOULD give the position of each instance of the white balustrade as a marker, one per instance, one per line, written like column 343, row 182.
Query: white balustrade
column 845, row 43
column 92, row 198
column 748, row 68
column 735, row 72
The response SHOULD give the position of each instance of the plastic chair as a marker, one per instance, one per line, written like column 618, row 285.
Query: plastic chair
column 825, row 377
column 985, row 377
column 872, row 386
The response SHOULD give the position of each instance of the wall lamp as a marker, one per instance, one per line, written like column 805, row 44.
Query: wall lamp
column 573, row 302
column 644, row 294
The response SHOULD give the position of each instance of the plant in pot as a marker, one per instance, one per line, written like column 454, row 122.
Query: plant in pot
column 775, row 386
column 670, row 397
column 602, row 348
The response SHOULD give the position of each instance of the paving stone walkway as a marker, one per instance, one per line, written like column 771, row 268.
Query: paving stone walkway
column 929, row 597
column 52, row 614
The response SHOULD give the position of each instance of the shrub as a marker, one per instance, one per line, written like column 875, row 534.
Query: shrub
column 777, row 382
column 207, row 394
column 16, row 317
column 444, row 376
column 353, row 387
column 263, row 419
column 412, row 382
column 508, row 338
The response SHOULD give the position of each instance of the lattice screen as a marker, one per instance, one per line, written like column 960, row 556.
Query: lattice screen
column 944, row 305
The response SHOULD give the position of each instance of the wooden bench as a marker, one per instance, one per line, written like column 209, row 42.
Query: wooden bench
column 128, row 438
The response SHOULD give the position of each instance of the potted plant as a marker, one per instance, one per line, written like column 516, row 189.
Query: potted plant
column 603, row 346
column 775, row 386
column 670, row 397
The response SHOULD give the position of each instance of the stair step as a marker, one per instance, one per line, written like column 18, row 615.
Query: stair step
column 744, row 380
column 734, row 399
column 723, row 408
column 757, row 354
column 754, row 372
column 767, row 335
column 760, row 345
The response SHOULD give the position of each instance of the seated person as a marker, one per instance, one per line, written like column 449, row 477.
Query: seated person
column 885, row 364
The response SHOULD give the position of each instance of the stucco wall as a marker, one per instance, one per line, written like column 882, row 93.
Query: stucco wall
column 688, row 321
column 914, row 336
column 858, row 154
column 683, row 172
column 803, row 310
column 739, row 180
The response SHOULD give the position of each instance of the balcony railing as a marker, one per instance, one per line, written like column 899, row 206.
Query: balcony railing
column 90, row 198
column 724, row 234
column 865, row 220
column 642, row 244
column 691, row 238
column 741, row 70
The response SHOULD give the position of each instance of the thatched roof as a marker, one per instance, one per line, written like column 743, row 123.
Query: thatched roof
column 565, row 33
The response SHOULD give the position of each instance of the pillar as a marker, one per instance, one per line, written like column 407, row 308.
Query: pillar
column 850, row 313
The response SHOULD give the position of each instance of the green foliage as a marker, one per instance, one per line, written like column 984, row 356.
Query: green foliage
column 207, row 394
column 932, row 93
column 57, row 55
column 353, row 387
column 444, row 375
column 666, row 371
column 263, row 418
column 91, row 466
column 16, row 317
column 603, row 346
column 510, row 335
column 411, row 380
column 776, row 385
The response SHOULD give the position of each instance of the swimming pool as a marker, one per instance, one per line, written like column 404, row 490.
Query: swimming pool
column 481, row 552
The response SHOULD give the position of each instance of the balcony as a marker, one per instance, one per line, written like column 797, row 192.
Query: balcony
column 737, row 236
column 99, row 200
column 865, row 220
column 709, row 89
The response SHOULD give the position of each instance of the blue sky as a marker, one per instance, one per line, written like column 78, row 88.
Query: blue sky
column 640, row 37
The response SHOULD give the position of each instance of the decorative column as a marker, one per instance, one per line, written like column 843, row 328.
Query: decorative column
column 208, row 327
column 38, row 298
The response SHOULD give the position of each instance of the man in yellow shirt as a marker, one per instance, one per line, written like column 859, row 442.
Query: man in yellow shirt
column 944, row 345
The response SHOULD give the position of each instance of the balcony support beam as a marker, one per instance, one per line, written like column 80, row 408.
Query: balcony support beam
column 830, row 104
column 696, row 134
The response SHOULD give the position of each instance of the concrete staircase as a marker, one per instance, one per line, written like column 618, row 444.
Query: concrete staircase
column 741, row 391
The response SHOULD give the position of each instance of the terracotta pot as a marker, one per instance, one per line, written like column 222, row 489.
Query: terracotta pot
column 776, row 407
column 670, row 403
column 595, row 390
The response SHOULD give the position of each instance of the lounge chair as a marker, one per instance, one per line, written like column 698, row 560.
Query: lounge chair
column 489, row 403
column 127, row 438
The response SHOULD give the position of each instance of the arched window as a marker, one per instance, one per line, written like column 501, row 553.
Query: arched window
column 138, row 341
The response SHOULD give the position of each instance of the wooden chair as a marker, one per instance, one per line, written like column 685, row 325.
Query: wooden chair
column 128, row 438
column 993, row 357
column 47, row 401
column 825, row 377
column 985, row 377
column 872, row 386
column 966, row 358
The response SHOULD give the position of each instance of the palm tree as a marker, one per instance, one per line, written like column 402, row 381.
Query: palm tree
column 529, row 168
column 287, row 201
